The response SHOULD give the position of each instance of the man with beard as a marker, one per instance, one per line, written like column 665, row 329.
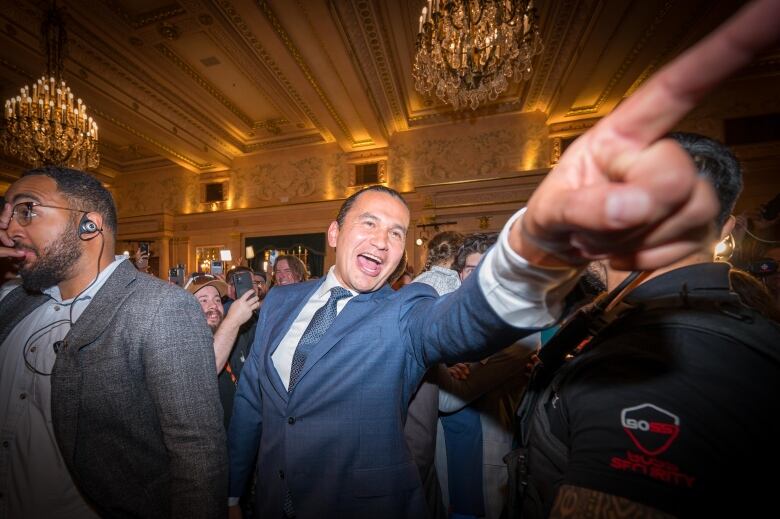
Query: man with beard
column 108, row 400
column 233, row 333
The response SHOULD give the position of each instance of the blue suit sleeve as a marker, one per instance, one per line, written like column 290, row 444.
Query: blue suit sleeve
column 246, row 424
column 458, row 327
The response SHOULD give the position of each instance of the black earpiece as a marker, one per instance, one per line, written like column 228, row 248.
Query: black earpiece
column 87, row 226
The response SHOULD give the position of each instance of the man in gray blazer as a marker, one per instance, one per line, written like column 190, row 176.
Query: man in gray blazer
column 115, row 365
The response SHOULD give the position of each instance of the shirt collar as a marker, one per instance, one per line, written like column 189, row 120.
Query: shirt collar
column 331, row 282
column 54, row 292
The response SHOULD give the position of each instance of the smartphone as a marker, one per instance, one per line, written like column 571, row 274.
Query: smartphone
column 173, row 276
column 216, row 267
column 144, row 246
column 272, row 257
column 242, row 282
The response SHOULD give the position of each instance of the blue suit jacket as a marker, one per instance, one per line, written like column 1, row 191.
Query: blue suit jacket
column 336, row 441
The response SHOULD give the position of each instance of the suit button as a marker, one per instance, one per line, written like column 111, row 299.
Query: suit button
column 291, row 420
column 281, row 474
column 23, row 396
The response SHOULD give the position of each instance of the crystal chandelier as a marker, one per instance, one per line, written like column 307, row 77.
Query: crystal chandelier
column 44, row 125
column 467, row 50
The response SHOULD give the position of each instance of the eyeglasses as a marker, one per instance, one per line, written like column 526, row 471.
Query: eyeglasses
column 23, row 212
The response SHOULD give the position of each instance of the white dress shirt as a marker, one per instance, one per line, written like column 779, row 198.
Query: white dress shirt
column 34, row 481
column 283, row 355
column 524, row 295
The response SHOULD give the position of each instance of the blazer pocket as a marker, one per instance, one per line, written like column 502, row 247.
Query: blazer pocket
column 385, row 480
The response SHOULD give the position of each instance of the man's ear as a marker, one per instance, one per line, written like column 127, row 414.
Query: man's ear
column 333, row 233
column 728, row 226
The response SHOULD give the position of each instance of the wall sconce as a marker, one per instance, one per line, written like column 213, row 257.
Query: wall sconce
column 225, row 255
column 249, row 252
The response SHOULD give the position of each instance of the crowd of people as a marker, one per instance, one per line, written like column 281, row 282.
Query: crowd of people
column 122, row 395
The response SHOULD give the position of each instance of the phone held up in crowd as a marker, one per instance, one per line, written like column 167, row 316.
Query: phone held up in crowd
column 242, row 282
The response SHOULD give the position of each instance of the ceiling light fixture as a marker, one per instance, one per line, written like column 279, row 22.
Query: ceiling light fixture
column 44, row 125
column 467, row 50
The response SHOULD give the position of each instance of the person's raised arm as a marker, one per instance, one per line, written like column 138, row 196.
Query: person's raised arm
column 621, row 193
column 225, row 336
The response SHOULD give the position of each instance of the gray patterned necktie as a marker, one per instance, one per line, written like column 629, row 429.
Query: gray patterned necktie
column 319, row 324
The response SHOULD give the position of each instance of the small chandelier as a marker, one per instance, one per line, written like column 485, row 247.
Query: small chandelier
column 44, row 125
column 467, row 50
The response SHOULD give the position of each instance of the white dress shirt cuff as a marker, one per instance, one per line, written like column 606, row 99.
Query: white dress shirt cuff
column 524, row 295
column 233, row 501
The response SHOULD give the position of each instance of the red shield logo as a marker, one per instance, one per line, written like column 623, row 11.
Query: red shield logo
column 651, row 428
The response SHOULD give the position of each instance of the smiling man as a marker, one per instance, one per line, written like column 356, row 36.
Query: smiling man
column 322, row 399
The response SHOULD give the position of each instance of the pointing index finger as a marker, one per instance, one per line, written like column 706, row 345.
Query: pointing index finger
column 671, row 93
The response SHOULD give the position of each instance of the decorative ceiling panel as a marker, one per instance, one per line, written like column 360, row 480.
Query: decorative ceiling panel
column 201, row 83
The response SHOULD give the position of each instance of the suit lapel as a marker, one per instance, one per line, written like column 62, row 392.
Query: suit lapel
column 358, row 309
column 278, row 333
column 103, row 306
column 66, row 377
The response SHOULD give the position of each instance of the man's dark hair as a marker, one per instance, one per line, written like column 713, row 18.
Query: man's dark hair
column 718, row 165
column 478, row 242
column 442, row 247
column 84, row 191
column 349, row 202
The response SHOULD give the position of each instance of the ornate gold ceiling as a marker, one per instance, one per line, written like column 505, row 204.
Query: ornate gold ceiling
column 199, row 83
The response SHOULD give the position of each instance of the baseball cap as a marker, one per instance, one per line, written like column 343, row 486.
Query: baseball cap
column 206, row 280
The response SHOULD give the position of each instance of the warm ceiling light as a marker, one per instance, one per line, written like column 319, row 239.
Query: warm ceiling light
column 44, row 125
column 468, row 49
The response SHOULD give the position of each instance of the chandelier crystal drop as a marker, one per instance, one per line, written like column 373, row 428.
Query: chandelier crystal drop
column 468, row 50
column 45, row 124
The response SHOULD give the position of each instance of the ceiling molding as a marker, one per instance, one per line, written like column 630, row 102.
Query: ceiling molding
column 625, row 65
column 269, row 14
column 265, row 58
column 138, row 21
